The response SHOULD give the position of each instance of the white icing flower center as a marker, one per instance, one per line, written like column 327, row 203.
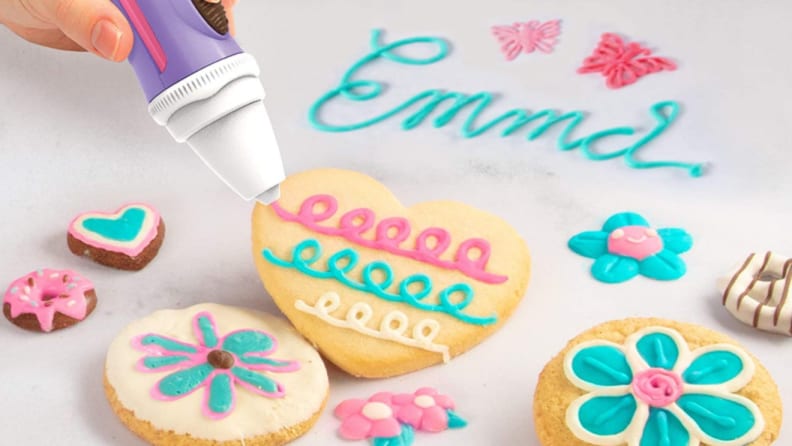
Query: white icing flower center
column 424, row 401
column 377, row 411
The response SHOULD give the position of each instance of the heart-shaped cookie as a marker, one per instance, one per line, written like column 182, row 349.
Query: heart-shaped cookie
column 379, row 288
column 126, row 239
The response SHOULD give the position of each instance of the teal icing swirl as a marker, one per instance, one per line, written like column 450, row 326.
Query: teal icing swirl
column 340, row 264
column 358, row 90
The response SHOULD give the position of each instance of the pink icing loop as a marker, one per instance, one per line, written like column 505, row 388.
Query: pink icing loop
column 465, row 262
column 384, row 227
column 441, row 237
column 657, row 387
column 357, row 221
column 46, row 292
column 308, row 207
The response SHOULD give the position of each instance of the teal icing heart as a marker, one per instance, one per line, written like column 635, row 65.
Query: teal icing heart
column 123, row 229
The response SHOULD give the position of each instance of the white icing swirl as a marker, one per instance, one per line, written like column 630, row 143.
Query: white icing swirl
column 392, row 328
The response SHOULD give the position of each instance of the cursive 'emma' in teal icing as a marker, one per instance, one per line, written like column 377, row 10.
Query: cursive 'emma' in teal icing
column 426, row 103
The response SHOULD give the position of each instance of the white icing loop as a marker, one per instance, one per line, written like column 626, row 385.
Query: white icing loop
column 393, row 324
column 392, row 328
column 359, row 314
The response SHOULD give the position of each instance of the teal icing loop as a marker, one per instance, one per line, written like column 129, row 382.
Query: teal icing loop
column 340, row 264
column 357, row 90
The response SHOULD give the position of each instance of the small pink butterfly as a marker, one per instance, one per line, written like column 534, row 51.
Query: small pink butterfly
column 527, row 37
column 620, row 63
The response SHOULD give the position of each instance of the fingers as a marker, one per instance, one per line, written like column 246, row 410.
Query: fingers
column 95, row 25
column 229, row 7
column 52, row 38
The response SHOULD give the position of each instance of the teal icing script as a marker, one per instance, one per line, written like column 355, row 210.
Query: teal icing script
column 344, row 261
column 123, row 229
column 357, row 90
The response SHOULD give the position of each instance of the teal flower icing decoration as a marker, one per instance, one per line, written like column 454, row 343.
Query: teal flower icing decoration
column 627, row 246
column 653, row 391
column 216, row 364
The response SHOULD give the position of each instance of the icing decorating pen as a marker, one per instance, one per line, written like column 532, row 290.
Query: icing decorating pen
column 205, row 90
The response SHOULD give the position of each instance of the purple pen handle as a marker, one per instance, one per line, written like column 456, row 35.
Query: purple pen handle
column 172, row 41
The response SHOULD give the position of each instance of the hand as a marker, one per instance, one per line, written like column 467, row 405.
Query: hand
column 76, row 25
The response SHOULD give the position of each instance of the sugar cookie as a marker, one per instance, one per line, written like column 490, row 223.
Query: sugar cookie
column 214, row 375
column 655, row 382
column 379, row 288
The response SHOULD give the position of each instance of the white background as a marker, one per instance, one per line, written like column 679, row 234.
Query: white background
column 75, row 136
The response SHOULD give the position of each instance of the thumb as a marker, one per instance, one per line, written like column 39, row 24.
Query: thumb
column 96, row 25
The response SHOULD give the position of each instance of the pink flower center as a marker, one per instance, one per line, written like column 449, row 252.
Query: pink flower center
column 657, row 387
column 424, row 401
column 637, row 242
column 376, row 411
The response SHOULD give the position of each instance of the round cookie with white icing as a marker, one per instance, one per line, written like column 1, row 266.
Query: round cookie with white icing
column 215, row 375
column 654, row 382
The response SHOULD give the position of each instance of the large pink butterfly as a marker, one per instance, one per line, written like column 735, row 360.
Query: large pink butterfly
column 623, row 64
column 527, row 37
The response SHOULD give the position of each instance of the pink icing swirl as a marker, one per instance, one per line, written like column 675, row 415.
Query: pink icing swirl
column 657, row 387
column 46, row 292
column 390, row 234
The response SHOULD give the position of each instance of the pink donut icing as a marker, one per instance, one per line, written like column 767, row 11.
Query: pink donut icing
column 657, row 387
column 46, row 292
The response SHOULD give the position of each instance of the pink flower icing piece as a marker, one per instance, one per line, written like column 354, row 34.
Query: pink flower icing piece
column 622, row 64
column 637, row 242
column 390, row 234
column 372, row 418
column 657, row 387
column 46, row 292
column 424, row 410
column 527, row 37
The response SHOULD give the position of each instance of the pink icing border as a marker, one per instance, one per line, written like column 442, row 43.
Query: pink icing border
column 354, row 223
column 131, row 252
column 25, row 298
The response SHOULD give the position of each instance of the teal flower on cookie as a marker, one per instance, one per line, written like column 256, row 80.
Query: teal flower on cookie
column 216, row 364
column 653, row 391
column 627, row 246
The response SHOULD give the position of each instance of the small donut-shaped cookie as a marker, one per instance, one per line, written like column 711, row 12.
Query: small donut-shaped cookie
column 757, row 292
column 48, row 299
column 215, row 375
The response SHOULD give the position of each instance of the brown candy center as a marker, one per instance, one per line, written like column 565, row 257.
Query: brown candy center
column 220, row 359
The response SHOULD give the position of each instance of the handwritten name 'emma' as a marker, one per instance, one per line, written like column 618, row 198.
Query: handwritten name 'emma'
column 444, row 106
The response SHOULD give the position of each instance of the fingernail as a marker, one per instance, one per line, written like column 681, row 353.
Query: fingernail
column 106, row 38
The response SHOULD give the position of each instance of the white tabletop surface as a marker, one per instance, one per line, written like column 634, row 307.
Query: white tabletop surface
column 75, row 136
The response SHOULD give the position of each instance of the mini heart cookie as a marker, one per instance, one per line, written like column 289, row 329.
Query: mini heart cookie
column 379, row 288
column 126, row 239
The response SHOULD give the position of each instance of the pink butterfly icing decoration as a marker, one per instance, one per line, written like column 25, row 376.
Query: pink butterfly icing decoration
column 527, row 37
column 622, row 64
